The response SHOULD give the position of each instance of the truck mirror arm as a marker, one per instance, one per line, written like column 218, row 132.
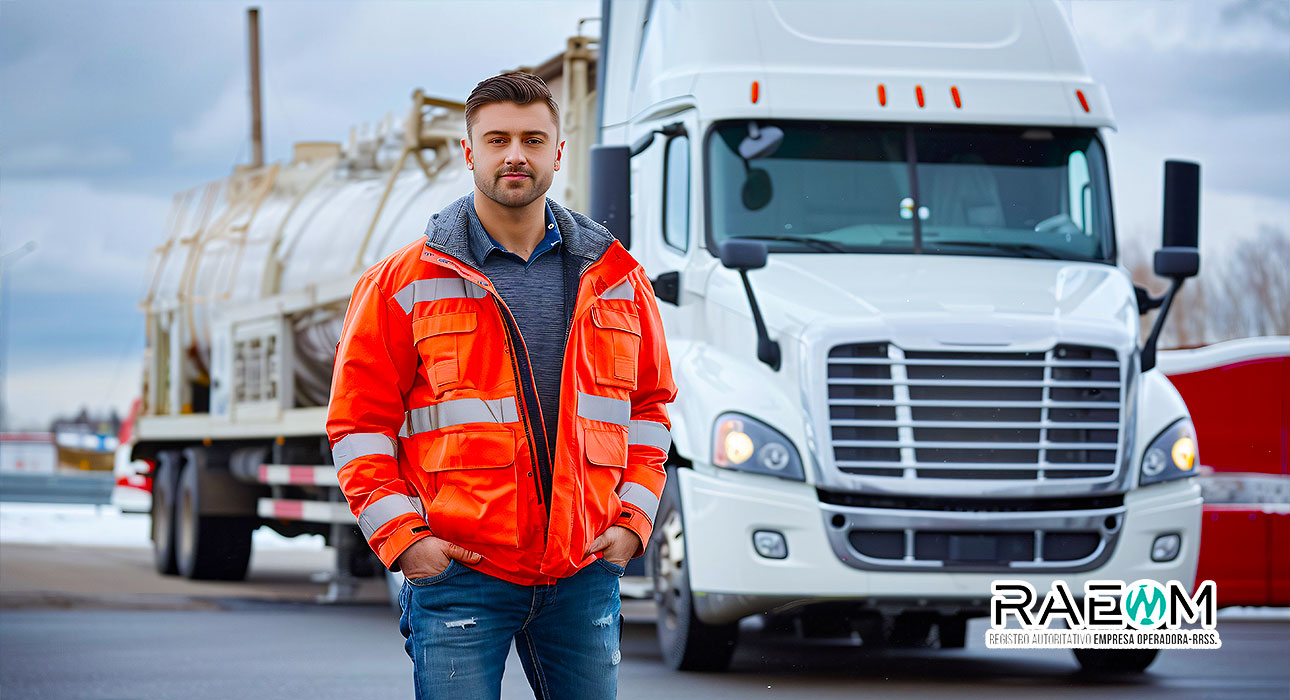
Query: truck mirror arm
column 1146, row 302
column 644, row 142
column 767, row 349
column 1149, row 348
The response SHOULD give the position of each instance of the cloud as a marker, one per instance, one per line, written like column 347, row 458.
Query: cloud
column 37, row 394
column 88, row 236
column 317, row 85
column 1201, row 81
column 1209, row 27
column 74, row 334
column 218, row 134
column 53, row 157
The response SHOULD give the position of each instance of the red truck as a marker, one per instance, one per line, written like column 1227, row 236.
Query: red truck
column 1238, row 393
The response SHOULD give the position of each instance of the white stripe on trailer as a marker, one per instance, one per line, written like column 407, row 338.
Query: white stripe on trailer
column 305, row 511
column 306, row 475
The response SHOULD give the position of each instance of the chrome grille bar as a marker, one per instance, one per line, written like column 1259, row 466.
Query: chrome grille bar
column 896, row 413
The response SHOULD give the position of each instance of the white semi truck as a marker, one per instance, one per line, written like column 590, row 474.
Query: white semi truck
column 908, row 357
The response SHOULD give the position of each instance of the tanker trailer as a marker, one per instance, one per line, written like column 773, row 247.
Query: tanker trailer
column 244, row 312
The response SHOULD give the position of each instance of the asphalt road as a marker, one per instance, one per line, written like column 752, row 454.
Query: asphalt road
column 260, row 649
column 93, row 622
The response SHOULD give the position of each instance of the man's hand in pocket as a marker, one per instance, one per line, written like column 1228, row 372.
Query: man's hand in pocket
column 430, row 556
column 618, row 543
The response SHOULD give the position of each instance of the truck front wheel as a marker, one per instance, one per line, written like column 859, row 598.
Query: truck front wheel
column 686, row 642
column 1115, row 660
column 208, row 547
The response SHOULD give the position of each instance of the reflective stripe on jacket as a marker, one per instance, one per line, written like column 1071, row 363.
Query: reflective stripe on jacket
column 434, row 422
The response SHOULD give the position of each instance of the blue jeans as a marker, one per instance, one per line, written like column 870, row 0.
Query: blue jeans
column 459, row 625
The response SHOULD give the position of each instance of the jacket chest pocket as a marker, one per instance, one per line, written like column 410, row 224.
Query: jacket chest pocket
column 616, row 345
column 444, row 342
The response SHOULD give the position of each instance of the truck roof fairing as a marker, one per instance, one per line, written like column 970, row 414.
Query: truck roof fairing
column 936, row 61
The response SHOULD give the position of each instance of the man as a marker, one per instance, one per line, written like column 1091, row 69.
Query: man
column 498, row 419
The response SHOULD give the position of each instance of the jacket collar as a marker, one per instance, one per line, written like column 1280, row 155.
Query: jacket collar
column 482, row 244
column 449, row 232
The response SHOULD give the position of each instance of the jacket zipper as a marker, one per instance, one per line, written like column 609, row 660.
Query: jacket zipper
column 528, row 394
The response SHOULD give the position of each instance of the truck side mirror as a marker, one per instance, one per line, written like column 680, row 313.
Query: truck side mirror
column 611, row 190
column 1179, row 258
column 1182, row 204
column 1177, row 263
column 742, row 255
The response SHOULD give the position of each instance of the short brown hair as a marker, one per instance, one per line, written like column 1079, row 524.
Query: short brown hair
column 517, row 87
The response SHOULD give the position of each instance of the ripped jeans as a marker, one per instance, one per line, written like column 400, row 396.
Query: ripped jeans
column 459, row 625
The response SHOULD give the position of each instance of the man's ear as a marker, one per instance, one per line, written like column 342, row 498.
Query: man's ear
column 559, row 153
column 466, row 153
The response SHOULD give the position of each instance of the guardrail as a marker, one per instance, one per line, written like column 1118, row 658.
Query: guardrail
column 57, row 488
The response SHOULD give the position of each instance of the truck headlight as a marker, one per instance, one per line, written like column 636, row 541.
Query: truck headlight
column 747, row 444
column 1172, row 455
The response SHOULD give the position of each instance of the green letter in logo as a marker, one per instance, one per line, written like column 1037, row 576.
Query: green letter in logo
column 1144, row 604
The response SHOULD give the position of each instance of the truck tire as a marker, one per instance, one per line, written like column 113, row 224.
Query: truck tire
column 208, row 547
column 910, row 630
column 686, row 642
column 165, row 482
column 1115, row 660
column 951, row 630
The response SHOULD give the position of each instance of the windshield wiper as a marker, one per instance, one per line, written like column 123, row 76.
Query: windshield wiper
column 818, row 243
column 1025, row 250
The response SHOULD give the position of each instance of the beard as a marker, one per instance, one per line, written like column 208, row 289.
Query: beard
column 514, row 193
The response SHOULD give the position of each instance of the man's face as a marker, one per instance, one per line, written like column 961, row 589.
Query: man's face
column 513, row 152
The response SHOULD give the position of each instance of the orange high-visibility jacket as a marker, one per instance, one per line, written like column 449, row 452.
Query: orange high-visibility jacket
column 434, row 409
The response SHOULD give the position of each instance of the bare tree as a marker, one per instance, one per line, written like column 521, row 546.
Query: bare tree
column 1261, row 281
column 1248, row 294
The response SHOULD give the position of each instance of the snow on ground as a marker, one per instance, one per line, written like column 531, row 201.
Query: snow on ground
column 106, row 526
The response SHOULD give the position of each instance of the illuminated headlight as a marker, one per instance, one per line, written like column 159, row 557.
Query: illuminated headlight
column 1172, row 455
column 746, row 444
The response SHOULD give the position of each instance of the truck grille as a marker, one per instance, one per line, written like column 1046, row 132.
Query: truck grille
column 974, row 415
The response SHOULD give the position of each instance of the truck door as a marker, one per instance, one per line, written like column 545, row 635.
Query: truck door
column 666, row 187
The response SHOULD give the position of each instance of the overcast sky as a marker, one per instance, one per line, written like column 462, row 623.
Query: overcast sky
column 107, row 109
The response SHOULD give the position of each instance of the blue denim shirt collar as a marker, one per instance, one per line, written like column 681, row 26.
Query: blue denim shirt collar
column 482, row 244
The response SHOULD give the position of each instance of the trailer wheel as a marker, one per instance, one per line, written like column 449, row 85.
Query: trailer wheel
column 686, row 642
column 1115, row 660
column 164, row 485
column 208, row 547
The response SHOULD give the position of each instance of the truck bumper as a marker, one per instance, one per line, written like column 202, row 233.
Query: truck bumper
column 731, row 580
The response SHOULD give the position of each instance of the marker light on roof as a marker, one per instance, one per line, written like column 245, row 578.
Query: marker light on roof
column 954, row 92
column 918, row 92
column 756, row 90
column 882, row 95
column 1082, row 102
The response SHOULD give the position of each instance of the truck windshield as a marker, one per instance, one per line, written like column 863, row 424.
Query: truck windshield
column 946, row 190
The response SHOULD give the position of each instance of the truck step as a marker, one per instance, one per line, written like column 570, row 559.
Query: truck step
column 305, row 511
column 305, row 475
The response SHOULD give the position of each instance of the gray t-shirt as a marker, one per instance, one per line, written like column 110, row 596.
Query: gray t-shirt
column 534, row 291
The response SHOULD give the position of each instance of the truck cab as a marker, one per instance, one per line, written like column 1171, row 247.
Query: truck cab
column 910, row 361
